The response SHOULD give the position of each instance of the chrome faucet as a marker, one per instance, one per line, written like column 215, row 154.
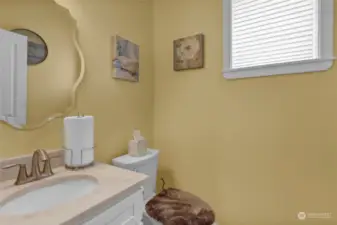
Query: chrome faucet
column 23, row 177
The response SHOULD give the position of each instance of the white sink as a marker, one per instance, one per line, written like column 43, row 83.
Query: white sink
column 38, row 198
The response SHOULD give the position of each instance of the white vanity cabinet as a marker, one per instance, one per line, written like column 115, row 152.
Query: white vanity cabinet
column 128, row 211
column 13, row 78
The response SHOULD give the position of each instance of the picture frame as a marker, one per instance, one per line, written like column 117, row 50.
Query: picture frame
column 125, row 61
column 189, row 53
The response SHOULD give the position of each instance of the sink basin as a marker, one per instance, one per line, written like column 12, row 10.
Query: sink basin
column 37, row 198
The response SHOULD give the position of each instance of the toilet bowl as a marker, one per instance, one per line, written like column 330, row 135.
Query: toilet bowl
column 148, row 165
column 147, row 219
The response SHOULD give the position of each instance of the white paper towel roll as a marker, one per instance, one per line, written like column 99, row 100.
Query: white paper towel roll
column 79, row 136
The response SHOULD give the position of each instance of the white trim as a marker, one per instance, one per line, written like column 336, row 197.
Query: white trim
column 278, row 69
column 325, row 48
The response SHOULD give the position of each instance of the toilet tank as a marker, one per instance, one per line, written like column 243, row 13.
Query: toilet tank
column 147, row 164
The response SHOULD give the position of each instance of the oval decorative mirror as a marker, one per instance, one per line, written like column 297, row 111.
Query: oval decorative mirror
column 37, row 47
column 52, row 39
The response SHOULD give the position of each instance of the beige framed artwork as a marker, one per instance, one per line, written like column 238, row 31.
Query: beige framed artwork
column 126, row 59
column 188, row 53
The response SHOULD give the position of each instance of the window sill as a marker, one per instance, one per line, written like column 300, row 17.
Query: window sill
column 278, row 69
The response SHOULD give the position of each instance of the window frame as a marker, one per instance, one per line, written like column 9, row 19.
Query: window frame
column 326, row 48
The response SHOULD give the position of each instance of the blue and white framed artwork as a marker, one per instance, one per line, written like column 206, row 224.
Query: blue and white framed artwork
column 126, row 60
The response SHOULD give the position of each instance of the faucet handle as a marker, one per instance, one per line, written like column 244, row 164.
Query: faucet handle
column 12, row 165
column 22, row 174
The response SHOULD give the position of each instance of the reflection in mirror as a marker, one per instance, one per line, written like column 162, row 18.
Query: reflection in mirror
column 53, row 82
column 37, row 48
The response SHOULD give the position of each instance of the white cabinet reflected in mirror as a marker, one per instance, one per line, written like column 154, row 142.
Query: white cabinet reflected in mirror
column 34, row 94
column 13, row 78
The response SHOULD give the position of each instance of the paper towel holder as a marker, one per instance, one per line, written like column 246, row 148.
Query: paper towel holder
column 80, row 115
column 78, row 167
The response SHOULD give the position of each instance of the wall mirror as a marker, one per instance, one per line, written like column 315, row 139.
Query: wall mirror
column 56, row 69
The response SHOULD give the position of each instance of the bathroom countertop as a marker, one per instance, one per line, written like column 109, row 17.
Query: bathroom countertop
column 114, row 184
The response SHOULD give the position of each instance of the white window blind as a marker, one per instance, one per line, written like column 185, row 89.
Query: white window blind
column 267, row 32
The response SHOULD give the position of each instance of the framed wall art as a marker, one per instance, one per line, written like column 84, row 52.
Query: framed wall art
column 125, row 60
column 188, row 53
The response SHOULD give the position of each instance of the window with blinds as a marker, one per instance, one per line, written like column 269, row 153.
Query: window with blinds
column 268, row 32
column 271, row 37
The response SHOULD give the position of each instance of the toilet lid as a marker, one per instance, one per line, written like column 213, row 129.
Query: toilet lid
column 173, row 206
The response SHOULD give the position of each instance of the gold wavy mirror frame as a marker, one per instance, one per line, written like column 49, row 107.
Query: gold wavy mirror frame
column 73, row 91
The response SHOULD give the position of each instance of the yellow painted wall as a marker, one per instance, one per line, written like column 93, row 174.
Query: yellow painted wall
column 117, row 106
column 259, row 150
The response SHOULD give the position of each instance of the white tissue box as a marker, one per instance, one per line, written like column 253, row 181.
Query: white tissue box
column 137, row 148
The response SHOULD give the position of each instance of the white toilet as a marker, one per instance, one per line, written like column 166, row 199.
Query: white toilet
column 148, row 165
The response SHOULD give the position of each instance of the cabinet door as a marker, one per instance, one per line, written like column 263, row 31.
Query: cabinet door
column 13, row 77
column 129, row 211
column 131, row 221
